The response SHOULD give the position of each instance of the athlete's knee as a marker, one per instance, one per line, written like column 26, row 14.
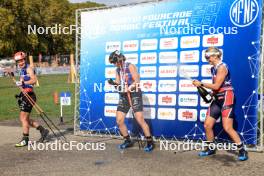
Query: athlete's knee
column 228, row 128
column 208, row 126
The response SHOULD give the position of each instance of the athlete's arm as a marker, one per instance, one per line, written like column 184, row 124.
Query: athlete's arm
column 135, row 76
column 33, row 77
column 220, row 77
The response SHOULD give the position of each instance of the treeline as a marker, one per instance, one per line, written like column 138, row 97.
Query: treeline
column 17, row 15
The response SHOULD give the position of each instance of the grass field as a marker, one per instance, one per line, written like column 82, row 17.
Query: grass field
column 48, row 85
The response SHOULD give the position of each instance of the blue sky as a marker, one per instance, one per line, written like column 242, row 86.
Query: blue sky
column 111, row 2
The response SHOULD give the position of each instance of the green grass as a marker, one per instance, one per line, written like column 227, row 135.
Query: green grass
column 48, row 85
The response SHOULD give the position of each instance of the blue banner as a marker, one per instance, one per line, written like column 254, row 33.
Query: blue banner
column 165, row 40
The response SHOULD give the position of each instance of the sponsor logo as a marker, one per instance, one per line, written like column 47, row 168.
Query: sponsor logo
column 189, row 56
column 203, row 115
column 166, row 113
column 167, row 99
column 169, row 43
column 213, row 40
column 206, row 70
column 111, row 98
column 168, row 57
column 167, row 86
column 244, row 12
column 189, row 70
column 112, row 46
column 131, row 45
column 187, row 115
column 148, row 58
column 190, row 42
column 188, row 100
column 107, row 60
column 132, row 58
column 148, row 85
column 167, row 71
column 149, row 99
column 187, row 86
column 110, row 72
column 149, row 44
column 110, row 111
column 150, row 72
column 149, row 113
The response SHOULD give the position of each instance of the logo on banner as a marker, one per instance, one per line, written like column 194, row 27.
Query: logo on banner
column 190, row 42
column 187, row 86
column 149, row 113
column 167, row 86
column 187, row 115
column 150, row 72
column 189, row 56
column 203, row 115
column 169, row 43
column 132, row 58
column 190, row 70
column 107, row 60
column 167, row 71
column 213, row 40
column 167, row 99
column 188, row 100
column 168, row 57
column 131, row 45
column 112, row 46
column 110, row 72
column 244, row 12
column 148, row 58
column 149, row 99
column 206, row 71
column 148, row 85
column 149, row 44
column 166, row 113
column 111, row 98
column 110, row 111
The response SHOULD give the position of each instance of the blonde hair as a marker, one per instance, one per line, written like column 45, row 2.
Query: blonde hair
column 214, row 51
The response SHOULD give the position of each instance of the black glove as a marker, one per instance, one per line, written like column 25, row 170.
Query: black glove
column 111, row 82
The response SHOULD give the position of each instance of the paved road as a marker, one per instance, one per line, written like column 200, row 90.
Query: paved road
column 111, row 161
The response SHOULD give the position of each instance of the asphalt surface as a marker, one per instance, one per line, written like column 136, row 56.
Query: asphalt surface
column 111, row 161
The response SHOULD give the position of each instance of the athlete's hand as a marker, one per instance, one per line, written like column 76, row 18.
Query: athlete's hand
column 196, row 83
column 112, row 82
column 19, row 83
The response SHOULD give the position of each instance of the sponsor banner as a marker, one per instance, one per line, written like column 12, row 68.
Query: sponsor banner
column 203, row 114
column 107, row 60
column 169, row 43
column 213, row 40
column 148, row 85
column 132, row 58
column 167, row 99
column 188, row 100
column 149, row 44
column 190, row 42
column 168, row 57
column 167, row 85
column 110, row 72
column 207, row 81
column 166, row 113
column 189, row 115
column 148, row 58
column 149, row 113
column 189, row 70
column 129, row 114
column 131, row 45
column 149, row 99
column 52, row 70
column 112, row 46
column 206, row 70
column 111, row 98
column 189, row 56
column 203, row 104
column 148, row 72
column 168, row 71
column 110, row 111
column 108, row 87
column 203, row 55
column 186, row 86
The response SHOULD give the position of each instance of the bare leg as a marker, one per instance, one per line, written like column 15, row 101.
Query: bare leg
column 120, row 120
column 208, row 126
column 228, row 127
column 141, row 121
